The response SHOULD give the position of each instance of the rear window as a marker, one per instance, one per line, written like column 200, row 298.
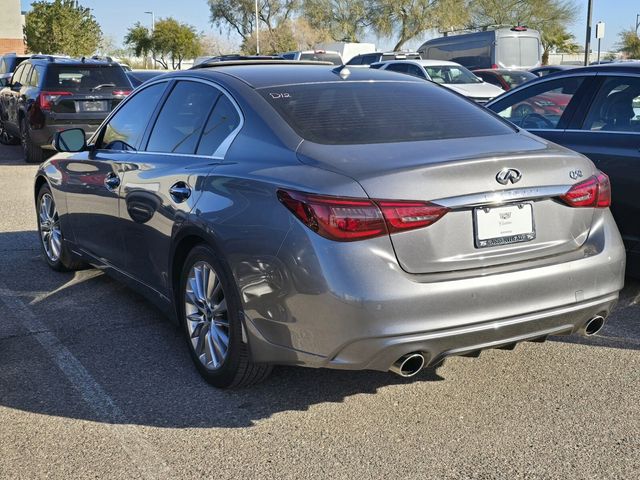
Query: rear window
column 85, row 78
column 322, row 57
column 346, row 113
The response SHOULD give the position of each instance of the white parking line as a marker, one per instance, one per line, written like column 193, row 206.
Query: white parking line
column 141, row 453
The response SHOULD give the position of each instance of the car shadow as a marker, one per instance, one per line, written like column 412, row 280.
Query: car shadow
column 80, row 345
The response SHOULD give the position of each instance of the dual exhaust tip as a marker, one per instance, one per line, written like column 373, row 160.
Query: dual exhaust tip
column 410, row 364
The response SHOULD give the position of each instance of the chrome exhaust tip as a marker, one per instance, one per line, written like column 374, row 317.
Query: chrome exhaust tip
column 593, row 326
column 408, row 365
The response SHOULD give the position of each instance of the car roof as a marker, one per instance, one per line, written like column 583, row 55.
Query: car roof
column 425, row 63
column 58, row 60
column 626, row 67
column 501, row 70
column 290, row 72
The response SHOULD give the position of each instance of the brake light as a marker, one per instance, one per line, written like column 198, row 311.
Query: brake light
column 46, row 99
column 494, row 66
column 594, row 192
column 121, row 93
column 349, row 219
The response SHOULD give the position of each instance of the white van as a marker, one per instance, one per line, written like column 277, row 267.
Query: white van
column 513, row 48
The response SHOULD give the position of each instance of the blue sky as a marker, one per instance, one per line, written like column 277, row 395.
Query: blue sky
column 115, row 16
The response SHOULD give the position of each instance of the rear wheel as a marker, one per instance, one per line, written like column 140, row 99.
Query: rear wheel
column 210, row 311
column 56, row 253
column 32, row 153
column 5, row 137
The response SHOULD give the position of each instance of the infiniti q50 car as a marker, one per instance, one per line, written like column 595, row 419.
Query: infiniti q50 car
column 309, row 215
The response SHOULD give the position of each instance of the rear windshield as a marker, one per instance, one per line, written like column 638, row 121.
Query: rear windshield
column 346, row 113
column 451, row 74
column 517, row 78
column 86, row 78
column 322, row 57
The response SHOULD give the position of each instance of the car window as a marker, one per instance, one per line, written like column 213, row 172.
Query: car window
column 451, row 74
column 17, row 74
column 126, row 128
column 3, row 66
column 360, row 113
column 355, row 61
column 540, row 106
column 224, row 119
column 416, row 71
column 489, row 78
column 333, row 58
column 86, row 78
column 369, row 59
column 398, row 67
column 616, row 107
column 517, row 78
column 182, row 118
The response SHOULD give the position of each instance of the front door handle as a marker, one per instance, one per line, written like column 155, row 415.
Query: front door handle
column 180, row 192
column 112, row 181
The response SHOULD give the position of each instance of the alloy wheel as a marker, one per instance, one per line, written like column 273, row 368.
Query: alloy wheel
column 50, row 232
column 207, row 317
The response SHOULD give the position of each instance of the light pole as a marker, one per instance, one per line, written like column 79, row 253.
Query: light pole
column 257, row 31
column 587, row 43
column 637, row 22
column 153, row 21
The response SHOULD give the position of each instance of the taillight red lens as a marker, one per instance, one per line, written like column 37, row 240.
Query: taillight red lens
column 46, row 99
column 402, row 216
column 594, row 192
column 348, row 219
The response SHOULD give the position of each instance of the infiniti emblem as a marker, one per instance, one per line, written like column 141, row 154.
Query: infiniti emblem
column 507, row 175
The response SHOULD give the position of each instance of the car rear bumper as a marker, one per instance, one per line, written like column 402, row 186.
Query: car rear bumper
column 350, row 306
column 44, row 136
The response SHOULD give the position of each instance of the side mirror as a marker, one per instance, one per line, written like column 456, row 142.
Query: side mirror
column 16, row 86
column 71, row 140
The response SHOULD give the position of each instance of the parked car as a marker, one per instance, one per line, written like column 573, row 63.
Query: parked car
column 512, row 48
column 8, row 63
column 314, row 55
column 201, row 62
column 282, row 216
column 48, row 94
column 138, row 77
column 595, row 111
column 367, row 59
column 548, row 69
column 447, row 74
column 504, row 79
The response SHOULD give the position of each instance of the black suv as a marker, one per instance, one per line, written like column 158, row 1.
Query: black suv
column 47, row 94
column 367, row 59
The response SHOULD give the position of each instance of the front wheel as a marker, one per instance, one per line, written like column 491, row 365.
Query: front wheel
column 210, row 312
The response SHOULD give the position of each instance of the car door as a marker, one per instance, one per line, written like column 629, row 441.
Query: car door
column 163, row 184
column 546, row 107
column 607, row 131
column 10, row 97
column 92, row 179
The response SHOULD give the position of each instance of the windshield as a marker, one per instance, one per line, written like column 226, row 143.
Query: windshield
column 322, row 57
column 451, row 74
column 346, row 113
column 86, row 78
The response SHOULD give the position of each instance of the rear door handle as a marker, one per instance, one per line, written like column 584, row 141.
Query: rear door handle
column 180, row 191
column 112, row 181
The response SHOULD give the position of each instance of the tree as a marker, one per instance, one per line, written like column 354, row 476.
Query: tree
column 61, row 27
column 344, row 20
column 171, row 41
column 538, row 14
column 406, row 19
column 559, row 39
column 629, row 43
column 239, row 15
column 174, row 40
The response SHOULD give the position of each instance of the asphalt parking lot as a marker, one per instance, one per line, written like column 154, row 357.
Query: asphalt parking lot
column 95, row 383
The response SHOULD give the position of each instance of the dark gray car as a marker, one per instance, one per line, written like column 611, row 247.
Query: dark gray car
column 286, row 213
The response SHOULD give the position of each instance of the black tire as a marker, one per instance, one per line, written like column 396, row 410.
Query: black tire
column 66, row 261
column 32, row 153
column 5, row 137
column 237, row 369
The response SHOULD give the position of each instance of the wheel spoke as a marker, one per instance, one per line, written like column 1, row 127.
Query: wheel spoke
column 214, row 356
column 221, row 307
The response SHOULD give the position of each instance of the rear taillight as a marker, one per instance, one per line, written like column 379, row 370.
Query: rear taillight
column 46, row 99
column 348, row 219
column 594, row 192
column 121, row 93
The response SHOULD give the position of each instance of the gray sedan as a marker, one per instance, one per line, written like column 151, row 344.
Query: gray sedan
column 292, row 213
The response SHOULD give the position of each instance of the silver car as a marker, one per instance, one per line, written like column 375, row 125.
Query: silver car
column 290, row 213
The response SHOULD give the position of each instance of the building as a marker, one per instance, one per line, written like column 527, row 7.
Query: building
column 11, row 22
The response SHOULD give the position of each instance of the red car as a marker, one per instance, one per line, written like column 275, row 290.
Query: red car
column 503, row 78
